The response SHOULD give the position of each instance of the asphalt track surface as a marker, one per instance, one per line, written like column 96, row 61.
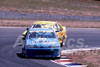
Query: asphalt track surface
column 14, row 15
column 11, row 57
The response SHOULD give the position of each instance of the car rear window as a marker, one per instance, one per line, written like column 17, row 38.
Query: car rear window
column 42, row 35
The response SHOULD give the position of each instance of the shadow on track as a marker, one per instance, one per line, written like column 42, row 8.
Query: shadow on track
column 42, row 58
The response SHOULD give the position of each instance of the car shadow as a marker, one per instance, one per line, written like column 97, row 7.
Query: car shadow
column 42, row 58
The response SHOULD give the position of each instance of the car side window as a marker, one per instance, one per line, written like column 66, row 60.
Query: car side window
column 56, row 27
column 59, row 27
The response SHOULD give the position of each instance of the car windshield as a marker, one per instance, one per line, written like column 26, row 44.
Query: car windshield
column 42, row 34
column 42, row 26
column 37, row 26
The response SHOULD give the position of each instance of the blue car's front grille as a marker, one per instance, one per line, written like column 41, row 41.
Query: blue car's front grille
column 39, row 52
column 42, row 52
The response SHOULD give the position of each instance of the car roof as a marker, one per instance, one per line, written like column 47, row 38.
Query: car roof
column 44, row 22
column 40, row 29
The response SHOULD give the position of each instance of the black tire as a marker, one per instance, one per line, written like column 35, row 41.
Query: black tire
column 61, row 45
column 23, row 54
column 63, row 42
column 56, row 58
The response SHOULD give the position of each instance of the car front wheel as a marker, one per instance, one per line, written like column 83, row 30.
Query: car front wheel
column 63, row 42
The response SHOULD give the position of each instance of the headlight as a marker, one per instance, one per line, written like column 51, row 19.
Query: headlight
column 50, row 43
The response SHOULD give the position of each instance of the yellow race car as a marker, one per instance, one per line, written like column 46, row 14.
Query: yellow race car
column 58, row 28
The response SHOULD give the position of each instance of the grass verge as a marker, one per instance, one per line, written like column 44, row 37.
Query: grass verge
column 68, row 7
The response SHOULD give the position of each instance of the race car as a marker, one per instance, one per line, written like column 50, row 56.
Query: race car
column 41, row 43
column 58, row 28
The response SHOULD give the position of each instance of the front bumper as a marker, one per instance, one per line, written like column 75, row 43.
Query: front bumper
column 41, row 52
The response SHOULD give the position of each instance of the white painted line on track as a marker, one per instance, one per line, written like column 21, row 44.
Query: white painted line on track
column 69, row 64
column 57, row 63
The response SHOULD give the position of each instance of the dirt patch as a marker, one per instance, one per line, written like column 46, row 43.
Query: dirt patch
column 52, row 11
column 90, row 58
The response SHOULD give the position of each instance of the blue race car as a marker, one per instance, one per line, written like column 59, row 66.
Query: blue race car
column 40, row 42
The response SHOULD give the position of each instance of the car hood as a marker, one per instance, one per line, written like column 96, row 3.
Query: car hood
column 42, row 42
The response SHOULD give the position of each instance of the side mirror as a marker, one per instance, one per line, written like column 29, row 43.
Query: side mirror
column 20, row 45
column 23, row 38
column 27, row 28
column 56, row 31
column 59, row 38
